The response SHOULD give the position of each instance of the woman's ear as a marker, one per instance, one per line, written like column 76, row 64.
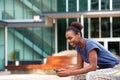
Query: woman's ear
column 79, row 34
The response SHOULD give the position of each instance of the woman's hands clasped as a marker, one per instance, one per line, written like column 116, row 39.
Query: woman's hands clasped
column 63, row 72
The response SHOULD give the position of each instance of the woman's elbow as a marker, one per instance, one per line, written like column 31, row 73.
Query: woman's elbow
column 93, row 68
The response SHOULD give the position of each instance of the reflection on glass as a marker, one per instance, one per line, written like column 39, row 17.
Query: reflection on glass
column 102, row 43
column 61, row 34
column 26, row 9
column 32, row 43
column 86, row 27
column 114, row 47
column 116, row 4
column 116, row 27
column 83, row 5
column 2, row 48
column 61, row 5
column 105, row 27
column 72, row 5
column 71, row 20
column 94, row 27
column 105, row 4
column 2, row 44
column 94, row 4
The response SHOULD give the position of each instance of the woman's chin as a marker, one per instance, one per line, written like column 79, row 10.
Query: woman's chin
column 73, row 45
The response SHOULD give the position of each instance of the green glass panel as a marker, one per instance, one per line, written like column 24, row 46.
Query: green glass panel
column 94, row 27
column 86, row 27
column 31, row 43
column 2, row 48
column 102, row 43
column 72, row 5
column 105, row 4
column 83, row 5
column 25, row 9
column 116, row 4
column 6, row 10
column 61, row 5
column 94, row 4
column 114, row 47
column 116, row 27
column 105, row 27
column 72, row 20
column 61, row 34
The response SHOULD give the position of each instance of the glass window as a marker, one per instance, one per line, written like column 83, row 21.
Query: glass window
column 116, row 27
column 2, row 16
column 48, row 37
column 19, row 9
column 2, row 48
column 114, row 47
column 61, row 5
column 61, row 34
column 83, row 5
column 46, row 5
column 30, row 43
column 25, row 9
column 2, row 5
column 105, row 4
column 105, row 27
column 72, row 5
column 116, row 4
column 94, row 4
column 72, row 20
column 101, row 43
column 86, row 27
column 7, row 13
column 94, row 27
column 53, row 5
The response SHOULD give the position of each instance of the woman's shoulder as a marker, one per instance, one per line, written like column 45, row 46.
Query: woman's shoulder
column 90, row 41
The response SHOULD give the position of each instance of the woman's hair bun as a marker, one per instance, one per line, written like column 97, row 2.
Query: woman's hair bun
column 77, row 25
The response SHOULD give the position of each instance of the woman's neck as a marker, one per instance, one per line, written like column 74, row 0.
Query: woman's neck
column 81, row 43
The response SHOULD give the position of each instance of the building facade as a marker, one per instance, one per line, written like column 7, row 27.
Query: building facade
column 101, row 20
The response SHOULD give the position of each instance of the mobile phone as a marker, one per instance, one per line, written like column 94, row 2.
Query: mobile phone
column 56, row 70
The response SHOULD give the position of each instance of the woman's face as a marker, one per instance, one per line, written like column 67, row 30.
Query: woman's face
column 72, row 38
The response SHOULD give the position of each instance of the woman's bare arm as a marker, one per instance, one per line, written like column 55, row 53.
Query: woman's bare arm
column 79, row 69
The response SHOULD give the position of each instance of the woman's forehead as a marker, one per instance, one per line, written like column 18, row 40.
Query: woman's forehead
column 70, row 33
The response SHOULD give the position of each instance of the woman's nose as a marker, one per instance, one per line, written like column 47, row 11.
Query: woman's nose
column 69, row 40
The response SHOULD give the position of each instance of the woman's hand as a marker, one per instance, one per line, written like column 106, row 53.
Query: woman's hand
column 63, row 72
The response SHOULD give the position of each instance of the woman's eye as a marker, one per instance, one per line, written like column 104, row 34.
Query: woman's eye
column 69, row 38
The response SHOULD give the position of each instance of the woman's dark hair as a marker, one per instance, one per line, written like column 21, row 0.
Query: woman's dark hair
column 76, row 27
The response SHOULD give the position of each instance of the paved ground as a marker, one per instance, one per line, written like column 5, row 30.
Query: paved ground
column 31, row 77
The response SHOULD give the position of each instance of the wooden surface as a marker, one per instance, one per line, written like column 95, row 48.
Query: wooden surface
column 52, row 62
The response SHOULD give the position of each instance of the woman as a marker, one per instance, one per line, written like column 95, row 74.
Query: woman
column 89, row 51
